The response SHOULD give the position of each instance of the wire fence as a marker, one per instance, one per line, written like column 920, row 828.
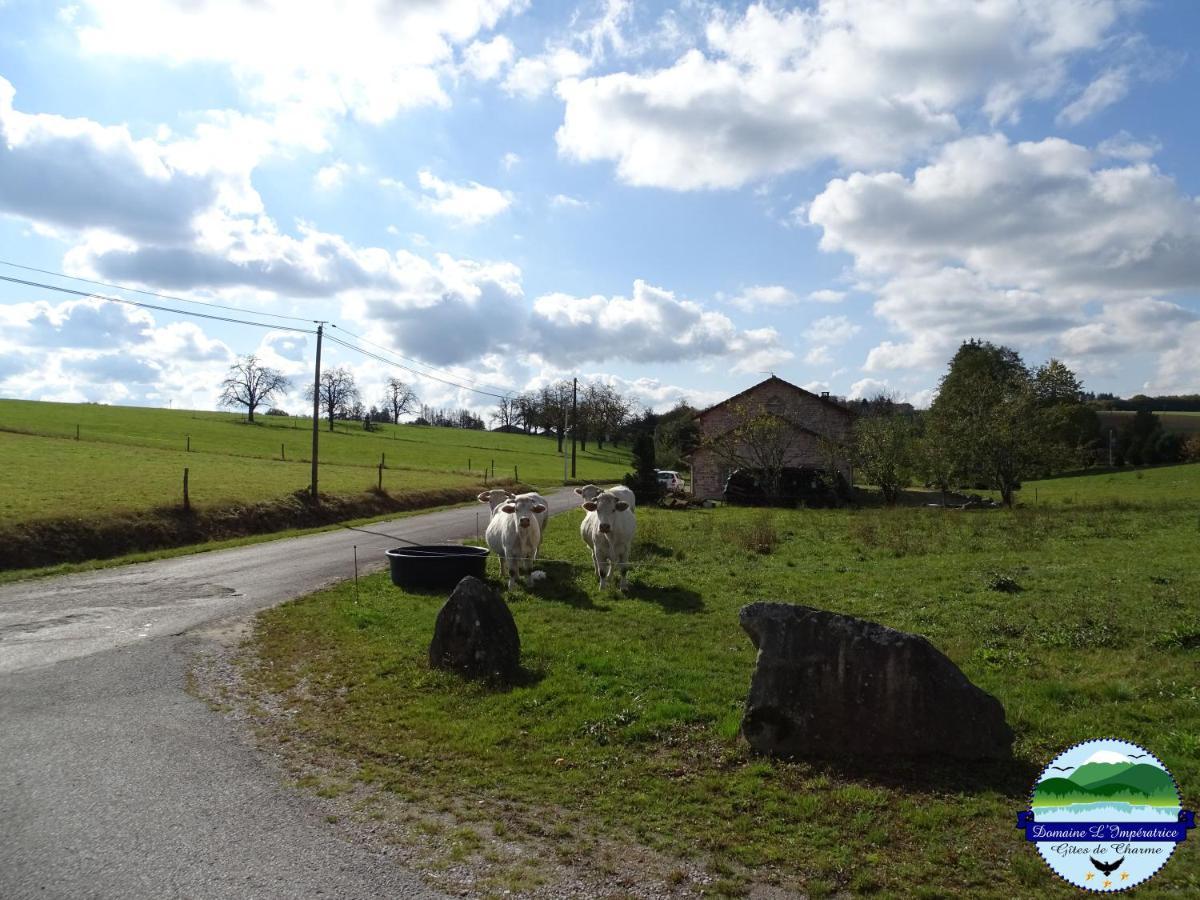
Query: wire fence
column 535, row 559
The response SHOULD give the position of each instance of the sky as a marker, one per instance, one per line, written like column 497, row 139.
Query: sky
column 676, row 199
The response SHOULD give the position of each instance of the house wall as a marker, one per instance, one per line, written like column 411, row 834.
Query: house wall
column 710, row 471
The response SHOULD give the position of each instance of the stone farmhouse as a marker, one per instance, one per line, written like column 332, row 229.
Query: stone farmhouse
column 814, row 417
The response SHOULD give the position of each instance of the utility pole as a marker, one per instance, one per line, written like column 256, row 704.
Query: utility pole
column 574, row 419
column 316, row 411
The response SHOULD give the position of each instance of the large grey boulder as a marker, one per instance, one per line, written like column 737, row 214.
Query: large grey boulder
column 831, row 685
column 475, row 634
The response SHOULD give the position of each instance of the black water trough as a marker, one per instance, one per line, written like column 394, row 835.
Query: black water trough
column 436, row 565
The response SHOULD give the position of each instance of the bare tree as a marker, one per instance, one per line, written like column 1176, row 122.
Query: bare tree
column 399, row 398
column 250, row 384
column 506, row 412
column 338, row 394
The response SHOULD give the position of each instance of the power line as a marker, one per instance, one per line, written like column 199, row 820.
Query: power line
column 149, row 293
column 166, row 309
column 388, row 362
column 391, row 352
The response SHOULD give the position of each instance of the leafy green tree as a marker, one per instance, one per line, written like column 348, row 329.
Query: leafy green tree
column 1138, row 438
column 882, row 448
column 643, row 480
column 989, row 420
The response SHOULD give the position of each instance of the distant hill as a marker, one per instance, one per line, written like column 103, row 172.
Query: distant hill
column 1137, row 783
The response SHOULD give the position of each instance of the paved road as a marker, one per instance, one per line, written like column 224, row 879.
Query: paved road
column 114, row 782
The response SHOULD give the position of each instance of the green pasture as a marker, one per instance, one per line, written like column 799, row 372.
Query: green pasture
column 1083, row 619
column 132, row 458
column 1140, row 486
column 49, row 478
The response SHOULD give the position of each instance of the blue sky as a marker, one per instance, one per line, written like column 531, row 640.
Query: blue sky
column 676, row 198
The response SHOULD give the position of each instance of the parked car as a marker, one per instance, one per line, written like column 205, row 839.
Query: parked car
column 798, row 486
column 669, row 480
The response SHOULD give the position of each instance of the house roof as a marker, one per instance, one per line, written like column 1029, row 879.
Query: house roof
column 775, row 378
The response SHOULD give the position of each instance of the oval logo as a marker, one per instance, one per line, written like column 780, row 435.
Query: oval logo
column 1105, row 815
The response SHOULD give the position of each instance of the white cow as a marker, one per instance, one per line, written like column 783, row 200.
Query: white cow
column 494, row 498
column 608, row 530
column 514, row 534
column 589, row 492
column 542, row 518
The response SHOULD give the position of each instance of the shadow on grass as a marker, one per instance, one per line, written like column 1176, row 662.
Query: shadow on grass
column 653, row 549
column 671, row 599
column 1011, row 778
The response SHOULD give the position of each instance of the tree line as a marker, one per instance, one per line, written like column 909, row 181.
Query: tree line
column 997, row 422
column 596, row 411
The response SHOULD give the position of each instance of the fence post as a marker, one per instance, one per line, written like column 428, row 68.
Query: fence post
column 493, row 468
column 187, row 503
column 468, row 464
column 76, row 432
column 516, row 477
column 282, row 455
column 189, row 443
column 382, row 460
column 381, row 475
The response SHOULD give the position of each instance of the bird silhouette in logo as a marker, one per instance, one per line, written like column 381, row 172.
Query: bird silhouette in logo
column 1136, row 755
column 1063, row 768
column 1106, row 868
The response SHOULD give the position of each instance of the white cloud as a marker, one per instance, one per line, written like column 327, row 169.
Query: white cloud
column 818, row 356
column 867, row 388
column 510, row 161
column 368, row 59
column 651, row 325
column 1123, row 145
column 486, row 59
column 862, row 82
column 76, row 174
column 1012, row 242
column 764, row 295
column 564, row 201
column 533, row 76
column 831, row 330
column 330, row 177
column 467, row 204
column 827, row 296
column 1108, row 88
column 94, row 350
column 1038, row 214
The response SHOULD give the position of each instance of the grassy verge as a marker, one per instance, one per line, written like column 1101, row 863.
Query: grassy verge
column 68, row 568
column 49, row 542
column 1084, row 622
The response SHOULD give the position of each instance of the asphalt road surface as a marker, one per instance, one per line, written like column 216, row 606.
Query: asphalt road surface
column 115, row 782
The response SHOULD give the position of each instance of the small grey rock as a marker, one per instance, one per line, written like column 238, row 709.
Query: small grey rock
column 475, row 634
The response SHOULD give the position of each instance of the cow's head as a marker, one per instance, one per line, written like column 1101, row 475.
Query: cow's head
column 494, row 497
column 605, row 506
column 523, row 508
column 588, row 491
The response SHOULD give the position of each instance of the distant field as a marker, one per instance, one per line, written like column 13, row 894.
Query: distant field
column 1180, row 422
column 132, row 458
column 1148, row 486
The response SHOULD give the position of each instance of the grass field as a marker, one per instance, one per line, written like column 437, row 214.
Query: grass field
column 625, row 733
column 132, row 458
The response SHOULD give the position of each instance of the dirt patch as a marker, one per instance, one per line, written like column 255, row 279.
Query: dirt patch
column 465, row 845
column 48, row 542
